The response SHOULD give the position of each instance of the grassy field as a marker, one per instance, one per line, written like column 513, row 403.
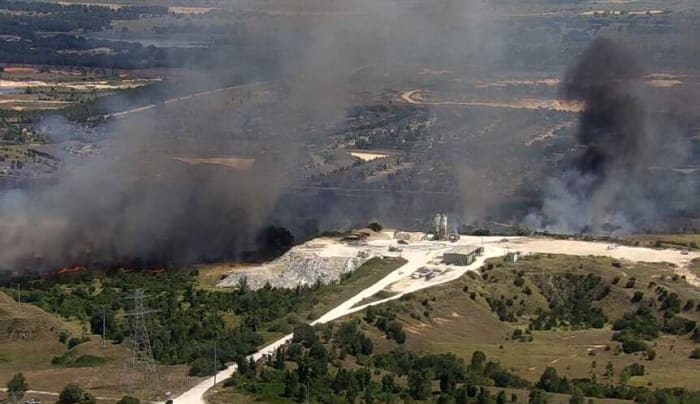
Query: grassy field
column 365, row 276
column 32, row 356
column 446, row 319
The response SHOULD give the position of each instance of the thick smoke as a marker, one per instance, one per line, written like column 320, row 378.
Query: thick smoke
column 136, row 205
column 613, row 183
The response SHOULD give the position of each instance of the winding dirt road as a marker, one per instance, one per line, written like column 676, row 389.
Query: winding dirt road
column 416, row 97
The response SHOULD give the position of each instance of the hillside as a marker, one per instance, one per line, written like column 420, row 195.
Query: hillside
column 37, row 344
column 545, row 326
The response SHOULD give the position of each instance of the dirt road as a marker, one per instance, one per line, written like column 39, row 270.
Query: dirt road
column 415, row 97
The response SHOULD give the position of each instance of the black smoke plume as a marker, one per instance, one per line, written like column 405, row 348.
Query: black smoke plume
column 614, row 181
column 612, row 127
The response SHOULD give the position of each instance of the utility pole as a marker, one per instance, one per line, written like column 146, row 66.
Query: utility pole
column 19, row 300
column 215, row 363
column 104, row 328
column 308, row 387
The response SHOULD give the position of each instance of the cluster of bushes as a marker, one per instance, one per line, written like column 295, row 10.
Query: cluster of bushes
column 351, row 340
column 522, row 336
column 72, row 360
column 634, row 328
column 572, row 303
column 385, row 319
column 551, row 382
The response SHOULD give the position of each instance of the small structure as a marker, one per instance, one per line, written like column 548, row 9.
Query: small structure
column 512, row 256
column 440, row 226
column 462, row 255
column 425, row 273
column 355, row 238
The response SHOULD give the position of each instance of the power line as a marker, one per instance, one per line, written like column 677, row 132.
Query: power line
column 139, row 363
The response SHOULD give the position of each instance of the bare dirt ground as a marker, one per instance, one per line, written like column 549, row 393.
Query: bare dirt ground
column 638, row 254
column 230, row 162
column 416, row 97
column 367, row 156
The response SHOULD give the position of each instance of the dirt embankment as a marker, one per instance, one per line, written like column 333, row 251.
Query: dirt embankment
column 320, row 260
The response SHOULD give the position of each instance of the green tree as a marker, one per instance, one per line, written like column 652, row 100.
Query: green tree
column 129, row 400
column 484, row 397
column 651, row 354
column 624, row 376
column 577, row 397
column 419, row 384
column 16, row 387
column 279, row 359
column 388, row 384
column 609, row 370
column 478, row 360
column 74, row 394
column 537, row 396
column 549, row 381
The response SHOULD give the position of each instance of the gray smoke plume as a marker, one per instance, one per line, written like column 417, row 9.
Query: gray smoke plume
column 614, row 183
column 136, row 204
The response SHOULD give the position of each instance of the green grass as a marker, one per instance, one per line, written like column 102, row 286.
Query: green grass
column 369, row 273
column 71, row 359
column 226, row 395
column 446, row 319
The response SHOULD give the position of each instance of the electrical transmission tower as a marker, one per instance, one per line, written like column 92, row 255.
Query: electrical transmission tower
column 139, row 365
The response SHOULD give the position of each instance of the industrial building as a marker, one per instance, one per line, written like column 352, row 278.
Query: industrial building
column 462, row 255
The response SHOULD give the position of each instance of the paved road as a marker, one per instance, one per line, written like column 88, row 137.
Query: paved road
column 123, row 114
column 418, row 255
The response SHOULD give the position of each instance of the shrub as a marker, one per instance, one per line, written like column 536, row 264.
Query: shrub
column 16, row 387
column 375, row 227
column 695, row 354
column 677, row 326
column 635, row 369
column 74, row 394
column 631, row 345
column 651, row 354
column 689, row 305
column 638, row 296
